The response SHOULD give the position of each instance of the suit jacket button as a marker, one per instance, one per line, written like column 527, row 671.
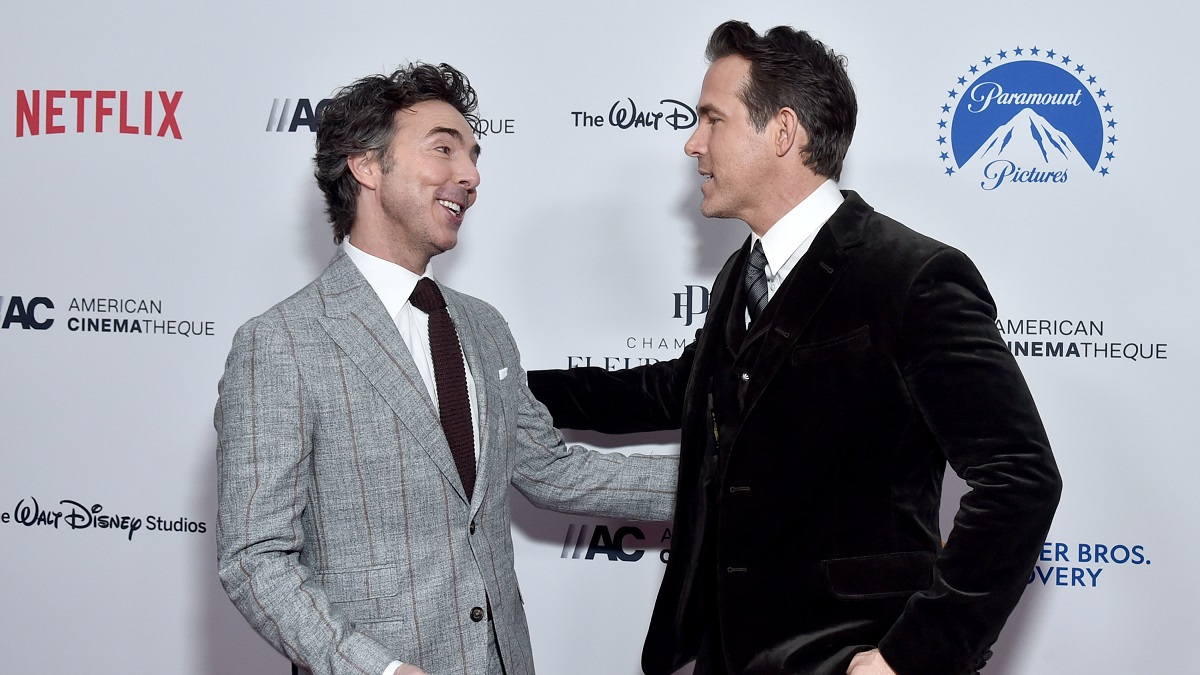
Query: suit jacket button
column 477, row 614
column 472, row 528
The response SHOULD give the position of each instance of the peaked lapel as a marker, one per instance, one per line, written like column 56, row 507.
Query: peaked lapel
column 359, row 324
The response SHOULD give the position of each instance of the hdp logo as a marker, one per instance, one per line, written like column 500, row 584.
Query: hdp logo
column 1026, row 116
column 692, row 301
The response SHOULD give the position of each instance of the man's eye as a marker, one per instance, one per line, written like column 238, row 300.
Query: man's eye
column 443, row 149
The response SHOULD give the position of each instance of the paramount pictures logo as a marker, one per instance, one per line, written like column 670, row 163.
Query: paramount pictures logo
column 1026, row 116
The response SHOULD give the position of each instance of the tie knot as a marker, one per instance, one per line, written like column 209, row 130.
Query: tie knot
column 758, row 259
column 756, row 281
column 427, row 297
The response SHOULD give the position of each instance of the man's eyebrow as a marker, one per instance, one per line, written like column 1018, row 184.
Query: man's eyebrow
column 708, row 109
column 456, row 135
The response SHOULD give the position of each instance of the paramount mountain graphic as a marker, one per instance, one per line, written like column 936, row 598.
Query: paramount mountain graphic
column 1031, row 142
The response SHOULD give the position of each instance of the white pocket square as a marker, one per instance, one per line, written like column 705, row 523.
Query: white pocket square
column 503, row 373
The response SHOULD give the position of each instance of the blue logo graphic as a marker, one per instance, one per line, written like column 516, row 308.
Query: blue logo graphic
column 1026, row 116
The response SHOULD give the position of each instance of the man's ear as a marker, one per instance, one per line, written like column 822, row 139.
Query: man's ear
column 366, row 169
column 787, row 132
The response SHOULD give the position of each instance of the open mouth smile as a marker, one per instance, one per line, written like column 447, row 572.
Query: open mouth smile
column 454, row 208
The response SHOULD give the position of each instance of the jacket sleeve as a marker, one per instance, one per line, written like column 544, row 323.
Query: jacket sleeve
column 646, row 398
column 974, row 400
column 575, row 479
column 263, row 477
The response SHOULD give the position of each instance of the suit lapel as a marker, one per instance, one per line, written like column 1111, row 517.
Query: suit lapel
column 357, row 321
column 802, row 294
column 470, row 336
column 735, row 317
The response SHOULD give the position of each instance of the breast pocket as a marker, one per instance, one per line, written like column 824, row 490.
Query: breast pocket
column 850, row 343
column 842, row 395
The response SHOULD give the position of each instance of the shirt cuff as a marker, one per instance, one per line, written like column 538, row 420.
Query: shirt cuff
column 392, row 667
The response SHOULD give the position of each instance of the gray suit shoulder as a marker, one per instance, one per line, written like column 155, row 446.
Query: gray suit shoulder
column 305, row 304
column 476, row 307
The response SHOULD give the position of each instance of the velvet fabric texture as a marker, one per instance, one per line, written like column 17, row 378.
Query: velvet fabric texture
column 812, row 455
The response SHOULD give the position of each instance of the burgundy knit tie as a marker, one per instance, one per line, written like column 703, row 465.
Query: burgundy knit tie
column 451, row 378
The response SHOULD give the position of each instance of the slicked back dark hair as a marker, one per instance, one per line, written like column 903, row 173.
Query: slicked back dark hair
column 791, row 69
column 361, row 118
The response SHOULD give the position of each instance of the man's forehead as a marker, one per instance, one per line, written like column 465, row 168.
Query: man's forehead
column 724, row 81
column 426, row 116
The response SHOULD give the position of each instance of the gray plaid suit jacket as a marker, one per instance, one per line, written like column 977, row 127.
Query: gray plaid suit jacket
column 343, row 532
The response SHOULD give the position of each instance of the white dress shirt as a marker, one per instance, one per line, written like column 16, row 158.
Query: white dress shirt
column 393, row 284
column 789, row 238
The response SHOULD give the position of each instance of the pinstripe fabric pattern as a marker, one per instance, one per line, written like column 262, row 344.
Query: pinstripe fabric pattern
column 344, row 534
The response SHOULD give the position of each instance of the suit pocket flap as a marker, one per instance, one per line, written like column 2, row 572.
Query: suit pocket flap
column 375, row 582
column 878, row 576
column 855, row 340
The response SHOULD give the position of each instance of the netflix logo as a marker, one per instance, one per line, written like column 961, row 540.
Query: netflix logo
column 59, row 111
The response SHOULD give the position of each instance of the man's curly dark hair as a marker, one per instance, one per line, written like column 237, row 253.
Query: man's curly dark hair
column 360, row 118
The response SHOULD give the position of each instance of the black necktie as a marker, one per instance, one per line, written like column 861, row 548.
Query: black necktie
column 454, row 404
column 756, row 281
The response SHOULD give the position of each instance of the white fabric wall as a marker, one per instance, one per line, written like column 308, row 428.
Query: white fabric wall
column 582, row 236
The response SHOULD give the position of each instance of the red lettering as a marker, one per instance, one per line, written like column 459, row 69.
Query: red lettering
column 53, row 111
column 34, row 118
column 123, row 124
column 80, row 95
column 28, row 113
column 102, row 110
column 169, row 107
column 147, row 111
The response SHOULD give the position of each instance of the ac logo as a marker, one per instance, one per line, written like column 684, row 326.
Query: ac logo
column 18, row 312
column 588, row 541
column 290, row 114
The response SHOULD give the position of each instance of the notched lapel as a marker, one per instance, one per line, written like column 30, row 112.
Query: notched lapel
column 357, row 321
column 486, row 374
column 735, row 319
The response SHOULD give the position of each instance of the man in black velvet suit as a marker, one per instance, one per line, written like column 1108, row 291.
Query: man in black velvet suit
column 845, row 360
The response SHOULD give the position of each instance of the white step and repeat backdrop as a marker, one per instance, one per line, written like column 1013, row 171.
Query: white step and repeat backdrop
column 156, row 192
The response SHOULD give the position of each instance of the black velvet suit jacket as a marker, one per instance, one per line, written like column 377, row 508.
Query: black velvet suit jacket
column 816, row 535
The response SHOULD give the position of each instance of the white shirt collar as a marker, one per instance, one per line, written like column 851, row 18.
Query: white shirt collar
column 799, row 224
column 391, row 282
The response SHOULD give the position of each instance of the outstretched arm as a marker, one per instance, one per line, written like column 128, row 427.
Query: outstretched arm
column 646, row 398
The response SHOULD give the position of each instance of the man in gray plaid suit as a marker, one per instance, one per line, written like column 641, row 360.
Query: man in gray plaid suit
column 347, row 535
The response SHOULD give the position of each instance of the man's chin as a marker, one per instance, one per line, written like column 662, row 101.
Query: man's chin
column 710, row 210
